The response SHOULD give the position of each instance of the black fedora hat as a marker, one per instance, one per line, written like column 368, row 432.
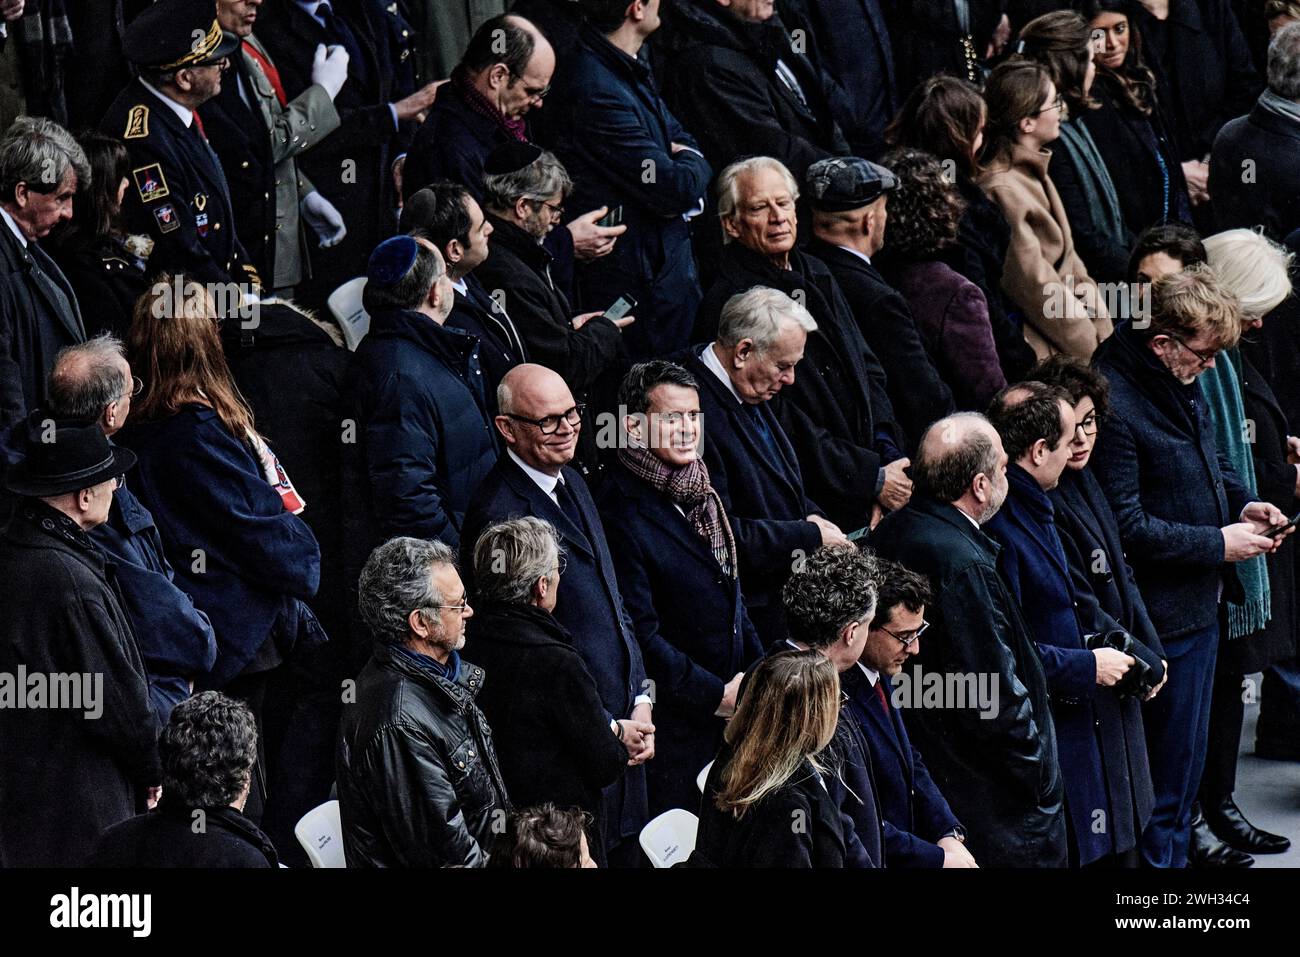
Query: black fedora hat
column 65, row 456
column 172, row 34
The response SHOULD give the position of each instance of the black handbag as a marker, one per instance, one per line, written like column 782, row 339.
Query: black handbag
column 1138, row 680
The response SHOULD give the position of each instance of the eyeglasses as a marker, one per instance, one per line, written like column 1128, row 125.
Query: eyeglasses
column 1047, row 109
column 548, row 425
column 558, row 211
column 137, row 386
column 908, row 641
column 1088, row 424
column 533, row 92
column 561, row 564
column 118, row 481
column 1204, row 359
column 460, row 606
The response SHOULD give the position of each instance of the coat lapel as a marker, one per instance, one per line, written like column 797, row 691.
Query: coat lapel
column 543, row 506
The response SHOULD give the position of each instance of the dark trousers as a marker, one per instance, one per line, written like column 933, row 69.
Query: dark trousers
column 1177, row 728
column 1227, row 711
column 1279, row 707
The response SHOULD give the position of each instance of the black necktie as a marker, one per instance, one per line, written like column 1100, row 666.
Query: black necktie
column 569, row 505
column 339, row 30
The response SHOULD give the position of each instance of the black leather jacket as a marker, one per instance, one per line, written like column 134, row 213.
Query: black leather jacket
column 418, row 780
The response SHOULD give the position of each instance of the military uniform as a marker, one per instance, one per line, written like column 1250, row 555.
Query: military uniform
column 178, row 193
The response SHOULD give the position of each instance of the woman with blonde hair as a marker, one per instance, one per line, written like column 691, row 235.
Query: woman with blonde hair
column 1043, row 275
column 1252, row 431
column 225, row 510
column 770, row 772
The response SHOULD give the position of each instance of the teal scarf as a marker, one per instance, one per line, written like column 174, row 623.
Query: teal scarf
column 1222, row 388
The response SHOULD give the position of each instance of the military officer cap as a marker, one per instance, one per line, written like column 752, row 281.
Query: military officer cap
column 175, row 34
column 842, row 183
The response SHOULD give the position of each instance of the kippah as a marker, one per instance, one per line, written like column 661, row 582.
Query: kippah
column 510, row 158
column 391, row 260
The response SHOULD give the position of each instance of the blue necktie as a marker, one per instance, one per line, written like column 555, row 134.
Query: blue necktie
column 764, row 431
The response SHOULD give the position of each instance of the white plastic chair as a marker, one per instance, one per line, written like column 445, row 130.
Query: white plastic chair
column 345, row 306
column 320, row 832
column 703, row 776
column 670, row 838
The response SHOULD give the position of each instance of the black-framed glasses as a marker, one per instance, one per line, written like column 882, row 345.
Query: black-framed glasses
column 1088, row 424
column 1204, row 359
column 532, row 92
column 548, row 425
column 908, row 638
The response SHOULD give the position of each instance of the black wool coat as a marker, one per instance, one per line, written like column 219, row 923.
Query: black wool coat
column 1255, row 173
column 168, row 838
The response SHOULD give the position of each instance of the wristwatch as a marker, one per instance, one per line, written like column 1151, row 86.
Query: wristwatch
column 958, row 832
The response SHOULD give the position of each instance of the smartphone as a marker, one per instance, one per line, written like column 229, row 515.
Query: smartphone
column 1277, row 530
column 613, row 218
column 854, row 536
column 622, row 306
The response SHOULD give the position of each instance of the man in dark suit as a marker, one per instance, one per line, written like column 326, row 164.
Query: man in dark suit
column 920, row 828
column 678, row 568
column 426, row 433
column 377, row 106
column 178, row 195
column 838, row 417
column 627, row 152
column 40, row 166
column 448, row 216
column 992, row 752
column 257, row 133
column 829, row 600
column 540, row 422
column 849, row 199
column 752, row 464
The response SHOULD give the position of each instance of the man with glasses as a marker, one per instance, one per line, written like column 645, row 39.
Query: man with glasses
column 540, row 422
column 1184, row 520
column 526, row 190
column 418, row 779
column 92, row 382
column 920, row 828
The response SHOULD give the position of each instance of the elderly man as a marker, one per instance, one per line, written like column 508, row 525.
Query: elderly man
column 920, row 828
column 739, row 79
column 426, row 433
column 1264, row 142
column 991, row 742
column 1036, row 424
column 526, row 189
column 539, row 679
column 178, row 195
column 678, row 567
column 92, row 382
column 838, row 417
column 1184, row 519
column 829, row 601
column 850, row 200
column 614, row 128
column 80, row 745
column 751, row 462
column 449, row 217
column 418, row 780
column 505, row 74
column 257, row 133
column 40, row 167
column 540, row 422
column 207, row 749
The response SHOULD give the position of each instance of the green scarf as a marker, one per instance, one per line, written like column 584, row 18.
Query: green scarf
column 1222, row 388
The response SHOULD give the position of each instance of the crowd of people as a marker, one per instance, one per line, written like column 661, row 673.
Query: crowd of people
column 862, row 424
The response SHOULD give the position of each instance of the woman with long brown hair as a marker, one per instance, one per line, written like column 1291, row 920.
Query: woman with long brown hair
column 1044, row 276
column 768, row 778
column 224, row 508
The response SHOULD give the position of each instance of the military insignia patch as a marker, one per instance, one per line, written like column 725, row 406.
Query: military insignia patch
column 150, row 182
column 201, row 223
column 167, row 218
column 137, row 123
column 200, row 201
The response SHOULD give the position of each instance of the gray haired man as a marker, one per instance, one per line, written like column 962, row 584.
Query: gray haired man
column 418, row 780
column 41, row 166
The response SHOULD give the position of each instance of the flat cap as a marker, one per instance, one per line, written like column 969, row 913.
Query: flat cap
column 842, row 183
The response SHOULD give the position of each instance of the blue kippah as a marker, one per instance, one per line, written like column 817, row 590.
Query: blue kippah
column 391, row 260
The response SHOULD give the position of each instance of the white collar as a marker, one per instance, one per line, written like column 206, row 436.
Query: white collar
column 461, row 286
column 872, row 676
column 13, row 224
column 546, row 483
column 859, row 253
column 711, row 362
column 184, row 115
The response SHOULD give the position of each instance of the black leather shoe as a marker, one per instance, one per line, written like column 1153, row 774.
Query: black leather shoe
column 1230, row 825
column 1207, row 851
